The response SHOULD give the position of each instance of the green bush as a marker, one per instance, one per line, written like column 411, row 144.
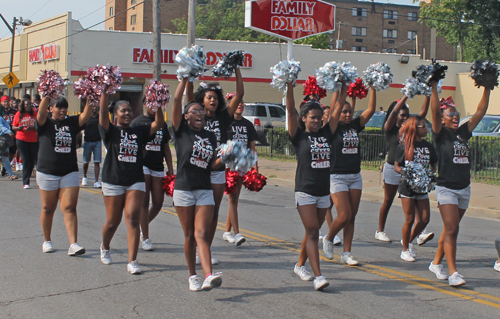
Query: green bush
column 279, row 140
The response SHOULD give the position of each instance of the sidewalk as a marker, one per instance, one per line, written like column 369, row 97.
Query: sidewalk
column 484, row 201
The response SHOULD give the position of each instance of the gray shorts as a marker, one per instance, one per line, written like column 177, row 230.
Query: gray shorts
column 148, row 171
column 218, row 177
column 416, row 197
column 302, row 199
column 345, row 182
column 47, row 182
column 117, row 190
column 460, row 197
column 390, row 176
column 199, row 197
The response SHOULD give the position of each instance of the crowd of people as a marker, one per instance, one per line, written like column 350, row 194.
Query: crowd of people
column 327, row 145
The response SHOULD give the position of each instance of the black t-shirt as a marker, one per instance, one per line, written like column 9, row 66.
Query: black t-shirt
column 346, row 157
column 219, row 125
column 392, row 142
column 195, row 154
column 453, row 153
column 313, row 161
column 9, row 115
column 242, row 131
column 57, row 153
column 423, row 153
column 91, row 131
column 123, row 162
column 154, row 150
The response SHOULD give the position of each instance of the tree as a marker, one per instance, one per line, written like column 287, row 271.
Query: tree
column 486, row 13
column 320, row 41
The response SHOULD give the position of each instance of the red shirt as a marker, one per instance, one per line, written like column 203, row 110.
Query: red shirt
column 26, row 120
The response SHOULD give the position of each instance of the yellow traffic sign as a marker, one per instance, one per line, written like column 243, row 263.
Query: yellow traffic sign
column 11, row 80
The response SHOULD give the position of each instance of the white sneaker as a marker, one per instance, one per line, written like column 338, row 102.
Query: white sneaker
column 320, row 235
column 228, row 236
column 214, row 260
column 18, row 167
column 456, row 279
column 97, row 184
column 380, row 235
column 320, row 283
column 411, row 249
column 147, row 245
column 424, row 237
column 47, row 247
column 497, row 266
column 212, row 281
column 336, row 240
column 239, row 239
column 133, row 268
column 26, row 187
column 406, row 256
column 438, row 271
column 327, row 248
column 105, row 256
column 195, row 283
column 302, row 272
column 85, row 181
column 76, row 249
column 346, row 258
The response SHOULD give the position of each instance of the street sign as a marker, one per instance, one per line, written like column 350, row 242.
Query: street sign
column 11, row 80
column 290, row 19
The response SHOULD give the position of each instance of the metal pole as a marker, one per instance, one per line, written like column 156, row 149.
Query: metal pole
column 156, row 40
column 289, row 55
column 13, row 30
column 191, row 23
column 416, row 44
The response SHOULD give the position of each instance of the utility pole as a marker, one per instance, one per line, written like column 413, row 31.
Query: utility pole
column 156, row 40
column 191, row 23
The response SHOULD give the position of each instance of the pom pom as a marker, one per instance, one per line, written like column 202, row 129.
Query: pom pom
column 311, row 88
column 485, row 74
column 357, row 89
column 50, row 84
column 105, row 78
column 420, row 179
column 157, row 95
column 168, row 183
column 83, row 88
column 226, row 65
column 430, row 73
column 231, row 181
column 378, row 76
column 236, row 156
column 330, row 76
column 254, row 181
column 286, row 71
column 191, row 63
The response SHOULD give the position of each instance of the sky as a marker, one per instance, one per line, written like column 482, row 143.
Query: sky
column 88, row 12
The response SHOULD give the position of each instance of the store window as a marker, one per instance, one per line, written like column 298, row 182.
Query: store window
column 133, row 1
column 390, row 34
column 412, row 16
column 110, row 11
column 358, row 12
column 390, row 14
column 391, row 50
column 133, row 19
column 358, row 31
column 412, row 35
column 363, row 49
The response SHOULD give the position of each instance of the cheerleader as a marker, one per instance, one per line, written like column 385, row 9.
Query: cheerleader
column 346, row 183
column 193, row 194
column 496, row 266
column 413, row 148
column 453, row 182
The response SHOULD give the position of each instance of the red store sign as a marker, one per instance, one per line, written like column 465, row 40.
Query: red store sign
column 142, row 55
column 46, row 52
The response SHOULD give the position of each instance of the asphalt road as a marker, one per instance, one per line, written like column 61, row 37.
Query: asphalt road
column 258, row 278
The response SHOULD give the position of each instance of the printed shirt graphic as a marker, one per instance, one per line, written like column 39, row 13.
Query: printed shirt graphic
column 218, row 125
column 453, row 153
column 203, row 152
column 26, row 120
column 154, row 148
column 313, row 161
column 242, row 131
column 9, row 115
column 346, row 148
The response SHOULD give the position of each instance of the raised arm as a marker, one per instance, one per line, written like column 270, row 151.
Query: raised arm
column 482, row 107
column 240, row 91
column 437, row 115
column 43, row 111
column 177, row 106
column 353, row 103
column 158, row 123
column 104, row 111
column 336, row 106
column 368, row 113
column 425, row 106
column 189, row 91
column 85, row 115
column 391, row 120
column 290, row 108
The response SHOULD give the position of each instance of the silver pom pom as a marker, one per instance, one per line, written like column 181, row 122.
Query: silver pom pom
column 330, row 76
column 191, row 63
column 420, row 179
column 236, row 156
column 286, row 71
column 378, row 76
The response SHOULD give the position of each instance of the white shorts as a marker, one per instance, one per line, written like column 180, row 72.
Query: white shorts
column 460, row 197
column 148, row 171
column 416, row 197
column 302, row 199
column 218, row 177
column 345, row 182
column 199, row 197
column 117, row 190
column 390, row 176
column 47, row 182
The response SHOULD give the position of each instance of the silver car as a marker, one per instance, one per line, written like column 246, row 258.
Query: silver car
column 264, row 116
column 488, row 126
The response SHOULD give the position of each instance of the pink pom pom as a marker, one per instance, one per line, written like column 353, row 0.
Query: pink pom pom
column 254, row 181
column 357, row 89
column 50, row 84
column 168, row 183
column 157, row 95
column 231, row 181
column 83, row 89
column 105, row 78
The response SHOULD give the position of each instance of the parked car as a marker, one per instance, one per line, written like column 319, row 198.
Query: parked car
column 488, row 126
column 264, row 115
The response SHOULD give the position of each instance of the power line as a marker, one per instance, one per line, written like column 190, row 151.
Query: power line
column 95, row 10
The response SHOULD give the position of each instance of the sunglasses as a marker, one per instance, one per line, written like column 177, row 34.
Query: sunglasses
column 198, row 112
column 453, row 114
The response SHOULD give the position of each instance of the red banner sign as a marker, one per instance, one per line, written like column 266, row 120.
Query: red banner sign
column 142, row 55
column 46, row 52
column 290, row 19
